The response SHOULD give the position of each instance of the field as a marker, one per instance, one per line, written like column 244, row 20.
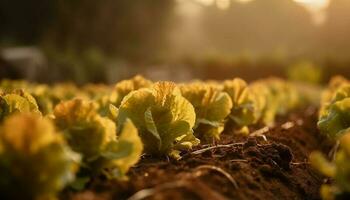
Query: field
column 138, row 139
column 244, row 168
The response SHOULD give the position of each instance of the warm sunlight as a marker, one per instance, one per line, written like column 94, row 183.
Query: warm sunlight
column 316, row 7
column 318, row 4
column 314, row 4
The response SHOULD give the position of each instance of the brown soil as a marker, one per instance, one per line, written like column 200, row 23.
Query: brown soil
column 247, row 168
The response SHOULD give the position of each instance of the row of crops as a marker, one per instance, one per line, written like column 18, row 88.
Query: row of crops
column 61, row 136
column 334, row 122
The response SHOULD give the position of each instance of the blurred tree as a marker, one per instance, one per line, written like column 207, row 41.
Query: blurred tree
column 336, row 30
column 24, row 21
column 129, row 29
column 126, row 28
column 7, row 70
column 79, row 36
column 260, row 26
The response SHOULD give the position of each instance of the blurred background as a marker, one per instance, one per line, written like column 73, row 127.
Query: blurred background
column 108, row 40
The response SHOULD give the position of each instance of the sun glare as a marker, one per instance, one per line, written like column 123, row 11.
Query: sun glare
column 314, row 3
column 315, row 7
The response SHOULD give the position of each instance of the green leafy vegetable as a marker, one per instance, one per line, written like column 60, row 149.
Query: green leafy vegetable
column 338, row 170
column 272, row 97
column 103, row 96
column 17, row 101
column 42, row 95
column 95, row 137
column 264, row 102
column 35, row 162
column 337, row 121
column 124, row 87
column 126, row 152
column 306, row 72
column 211, row 105
column 328, row 96
column 334, row 117
column 243, row 110
column 163, row 117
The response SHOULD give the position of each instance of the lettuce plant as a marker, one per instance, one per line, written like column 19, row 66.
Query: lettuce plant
column 211, row 105
column 163, row 117
column 273, row 97
column 335, row 106
column 42, row 95
column 337, row 120
column 123, row 153
column 40, row 92
column 17, row 101
column 103, row 95
column 328, row 96
column 35, row 161
column 124, row 87
column 264, row 102
column 342, row 92
column 305, row 72
column 285, row 94
column 338, row 170
column 7, row 85
column 243, row 110
column 95, row 137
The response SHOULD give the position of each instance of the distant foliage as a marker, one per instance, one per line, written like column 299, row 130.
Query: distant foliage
column 305, row 72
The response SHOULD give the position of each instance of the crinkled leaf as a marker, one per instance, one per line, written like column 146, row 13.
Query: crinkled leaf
column 86, row 131
column 327, row 97
column 117, row 150
column 337, row 120
column 130, row 145
column 17, row 102
column 124, row 87
column 207, row 122
column 113, row 112
column 151, row 126
column 158, row 111
column 242, row 112
column 211, row 105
